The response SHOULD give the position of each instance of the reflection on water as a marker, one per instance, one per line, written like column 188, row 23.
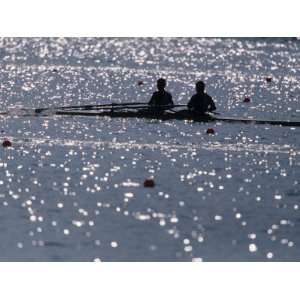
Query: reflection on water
column 71, row 188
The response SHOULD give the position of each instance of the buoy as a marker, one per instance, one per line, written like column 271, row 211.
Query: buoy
column 246, row 99
column 140, row 82
column 6, row 143
column 210, row 131
column 149, row 183
column 269, row 79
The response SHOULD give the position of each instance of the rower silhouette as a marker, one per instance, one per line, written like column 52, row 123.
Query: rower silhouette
column 201, row 102
column 161, row 97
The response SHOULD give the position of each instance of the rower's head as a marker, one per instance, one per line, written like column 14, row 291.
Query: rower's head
column 161, row 84
column 200, row 87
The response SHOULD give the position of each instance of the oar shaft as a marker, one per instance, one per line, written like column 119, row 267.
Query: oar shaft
column 146, row 106
column 103, row 105
column 112, row 106
column 86, row 107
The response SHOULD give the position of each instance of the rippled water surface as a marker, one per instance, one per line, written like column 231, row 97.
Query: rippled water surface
column 71, row 188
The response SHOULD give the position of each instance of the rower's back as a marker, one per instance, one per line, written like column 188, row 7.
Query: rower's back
column 161, row 97
column 201, row 102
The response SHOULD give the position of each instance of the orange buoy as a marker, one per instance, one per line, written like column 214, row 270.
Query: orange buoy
column 210, row 131
column 149, row 183
column 246, row 99
column 140, row 82
column 268, row 79
column 6, row 143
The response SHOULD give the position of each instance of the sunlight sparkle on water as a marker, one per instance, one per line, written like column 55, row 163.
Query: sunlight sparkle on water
column 71, row 188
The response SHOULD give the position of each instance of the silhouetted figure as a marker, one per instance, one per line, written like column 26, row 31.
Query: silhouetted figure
column 201, row 102
column 161, row 97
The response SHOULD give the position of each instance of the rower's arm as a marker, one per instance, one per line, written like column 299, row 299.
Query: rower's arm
column 171, row 103
column 152, row 101
column 190, row 104
column 212, row 105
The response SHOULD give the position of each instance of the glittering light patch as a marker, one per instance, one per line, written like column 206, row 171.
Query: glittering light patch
column 114, row 244
column 252, row 247
column 218, row 218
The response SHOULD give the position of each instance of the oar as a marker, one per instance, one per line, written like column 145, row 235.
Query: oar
column 113, row 107
column 145, row 106
column 135, row 105
column 86, row 107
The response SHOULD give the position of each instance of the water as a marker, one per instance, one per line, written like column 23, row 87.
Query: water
column 71, row 188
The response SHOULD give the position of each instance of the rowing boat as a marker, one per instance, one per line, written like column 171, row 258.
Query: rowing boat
column 167, row 115
column 141, row 110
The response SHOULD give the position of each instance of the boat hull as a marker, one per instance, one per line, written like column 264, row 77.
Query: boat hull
column 181, row 115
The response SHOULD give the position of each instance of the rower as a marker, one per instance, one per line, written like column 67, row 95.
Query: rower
column 201, row 102
column 161, row 97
